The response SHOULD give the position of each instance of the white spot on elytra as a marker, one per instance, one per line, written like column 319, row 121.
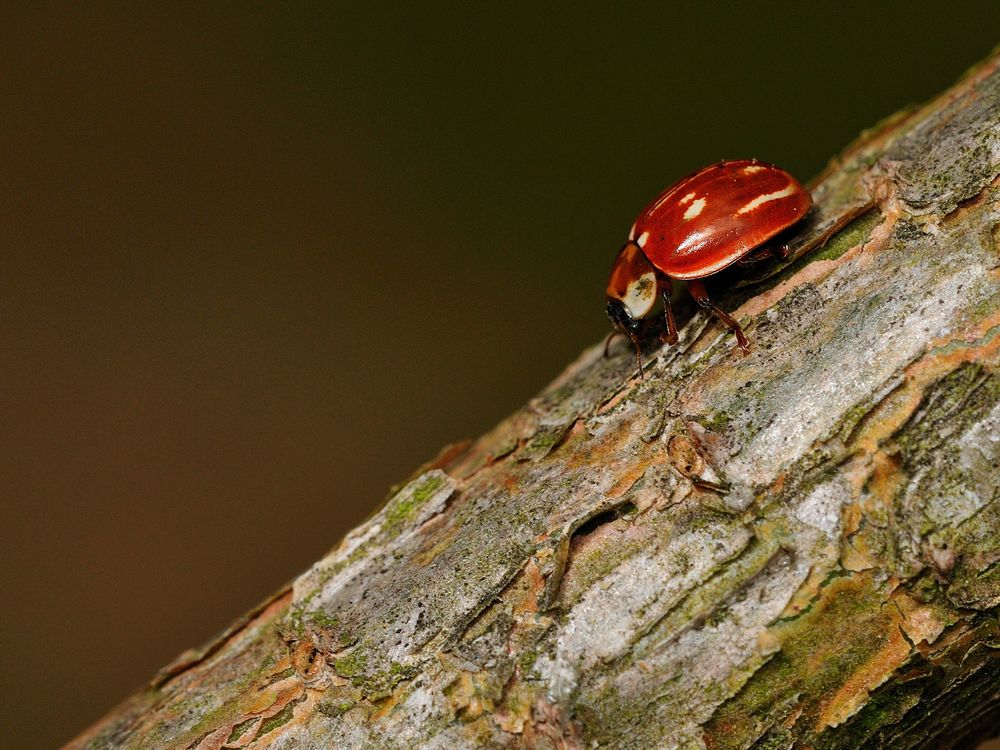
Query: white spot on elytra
column 752, row 169
column 686, row 199
column 641, row 242
column 760, row 200
column 695, row 208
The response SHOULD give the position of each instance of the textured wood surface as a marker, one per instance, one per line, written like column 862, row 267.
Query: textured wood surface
column 795, row 548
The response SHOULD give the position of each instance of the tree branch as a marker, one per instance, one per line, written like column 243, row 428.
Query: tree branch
column 795, row 548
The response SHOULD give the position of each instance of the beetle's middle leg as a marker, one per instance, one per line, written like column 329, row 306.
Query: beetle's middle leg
column 768, row 251
column 697, row 289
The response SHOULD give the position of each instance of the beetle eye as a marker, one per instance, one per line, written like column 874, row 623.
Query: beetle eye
column 620, row 318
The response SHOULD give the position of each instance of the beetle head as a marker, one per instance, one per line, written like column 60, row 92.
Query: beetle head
column 627, row 326
column 621, row 320
column 631, row 293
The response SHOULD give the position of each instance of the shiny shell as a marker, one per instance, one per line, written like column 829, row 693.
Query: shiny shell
column 718, row 215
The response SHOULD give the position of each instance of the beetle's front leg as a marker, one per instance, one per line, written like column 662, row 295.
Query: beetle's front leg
column 670, row 337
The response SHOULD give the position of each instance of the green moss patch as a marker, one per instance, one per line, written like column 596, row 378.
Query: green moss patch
column 407, row 502
column 240, row 729
column 279, row 719
column 820, row 652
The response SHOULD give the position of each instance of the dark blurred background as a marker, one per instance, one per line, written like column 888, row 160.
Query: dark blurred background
column 258, row 263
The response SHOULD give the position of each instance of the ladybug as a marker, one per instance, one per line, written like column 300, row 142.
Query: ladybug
column 706, row 222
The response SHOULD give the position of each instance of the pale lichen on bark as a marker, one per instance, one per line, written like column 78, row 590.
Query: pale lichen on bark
column 796, row 548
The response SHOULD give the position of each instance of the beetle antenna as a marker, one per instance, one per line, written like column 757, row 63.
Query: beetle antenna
column 638, row 358
column 607, row 341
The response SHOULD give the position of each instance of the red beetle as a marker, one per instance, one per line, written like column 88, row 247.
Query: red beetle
column 699, row 226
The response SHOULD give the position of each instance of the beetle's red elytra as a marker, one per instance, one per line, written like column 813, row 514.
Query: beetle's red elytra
column 694, row 229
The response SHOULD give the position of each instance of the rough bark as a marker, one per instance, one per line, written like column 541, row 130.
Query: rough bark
column 795, row 548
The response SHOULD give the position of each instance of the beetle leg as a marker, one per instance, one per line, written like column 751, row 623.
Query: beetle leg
column 755, row 257
column 697, row 289
column 670, row 337
column 781, row 252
